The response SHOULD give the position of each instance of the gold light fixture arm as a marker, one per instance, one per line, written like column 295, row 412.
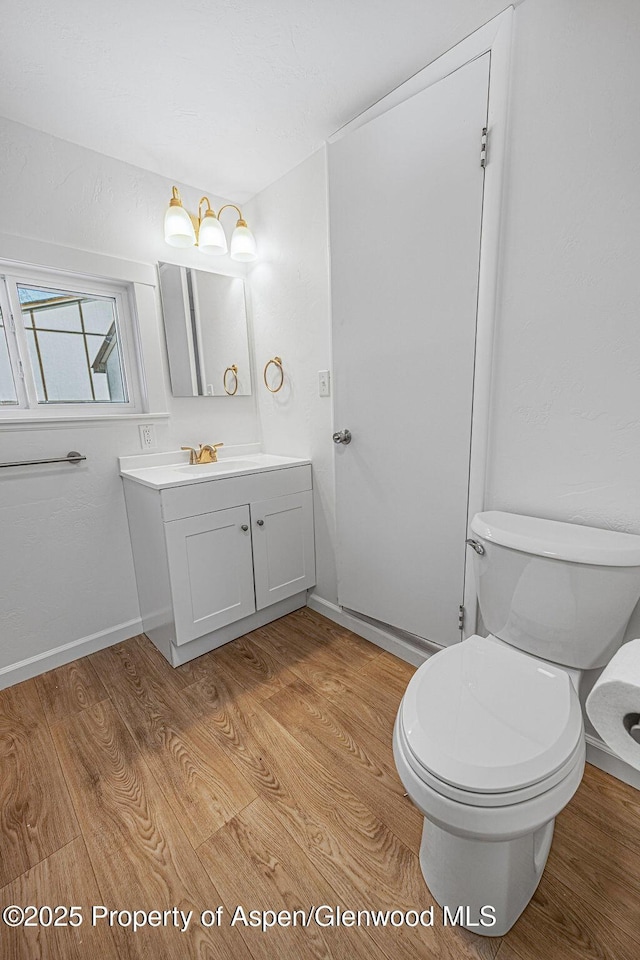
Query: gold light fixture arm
column 241, row 222
column 209, row 209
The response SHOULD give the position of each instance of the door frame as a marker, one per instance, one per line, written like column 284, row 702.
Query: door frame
column 493, row 38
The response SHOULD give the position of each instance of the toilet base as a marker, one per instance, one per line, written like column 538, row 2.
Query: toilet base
column 478, row 875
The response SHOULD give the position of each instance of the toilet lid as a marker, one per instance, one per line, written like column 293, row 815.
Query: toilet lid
column 487, row 718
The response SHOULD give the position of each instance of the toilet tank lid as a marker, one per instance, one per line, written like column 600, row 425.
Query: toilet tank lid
column 561, row 541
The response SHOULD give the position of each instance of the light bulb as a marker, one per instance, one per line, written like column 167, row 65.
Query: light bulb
column 211, row 238
column 178, row 228
column 243, row 244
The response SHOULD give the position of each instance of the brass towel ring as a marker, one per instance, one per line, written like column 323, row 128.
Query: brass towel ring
column 278, row 363
column 234, row 370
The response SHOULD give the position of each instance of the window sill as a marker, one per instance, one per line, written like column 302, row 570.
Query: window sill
column 25, row 422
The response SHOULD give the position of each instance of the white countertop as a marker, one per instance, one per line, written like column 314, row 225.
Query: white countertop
column 161, row 473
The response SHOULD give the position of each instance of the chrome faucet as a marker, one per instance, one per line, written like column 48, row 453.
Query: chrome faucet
column 206, row 454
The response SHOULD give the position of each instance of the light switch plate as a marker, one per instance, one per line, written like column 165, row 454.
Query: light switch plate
column 324, row 383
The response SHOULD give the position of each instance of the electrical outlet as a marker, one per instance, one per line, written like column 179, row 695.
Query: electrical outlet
column 147, row 436
column 324, row 383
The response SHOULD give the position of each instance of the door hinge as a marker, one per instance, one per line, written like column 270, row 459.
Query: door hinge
column 461, row 617
column 483, row 148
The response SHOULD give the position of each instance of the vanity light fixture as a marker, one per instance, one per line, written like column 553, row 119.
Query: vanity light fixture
column 183, row 229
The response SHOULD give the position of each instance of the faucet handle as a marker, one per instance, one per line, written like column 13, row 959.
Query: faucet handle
column 208, row 453
column 192, row 454
column 213, row 450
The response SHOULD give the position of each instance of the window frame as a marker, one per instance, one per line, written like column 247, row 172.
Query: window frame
column 28, row 408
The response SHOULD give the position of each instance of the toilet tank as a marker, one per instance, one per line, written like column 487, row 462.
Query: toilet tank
column 560, row 591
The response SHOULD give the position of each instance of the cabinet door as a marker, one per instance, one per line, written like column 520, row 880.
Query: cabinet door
column 283, row 547
column 211, row 571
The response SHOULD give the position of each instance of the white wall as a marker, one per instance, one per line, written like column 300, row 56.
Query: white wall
column 566, row 403
column 66, row 571
column 565, row 427
column 290, row 304
column 565, row 423
column 566, row 412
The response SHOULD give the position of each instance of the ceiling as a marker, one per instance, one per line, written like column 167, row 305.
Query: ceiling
column 223, row 95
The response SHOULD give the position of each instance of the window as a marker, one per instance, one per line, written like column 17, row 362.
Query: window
column 8, row 396
column 65, row 347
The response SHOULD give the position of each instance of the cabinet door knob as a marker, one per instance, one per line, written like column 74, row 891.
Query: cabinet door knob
column 260, row 523
column 244, row 527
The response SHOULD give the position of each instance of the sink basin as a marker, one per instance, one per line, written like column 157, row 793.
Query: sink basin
column 221, row 466
column 161, row 470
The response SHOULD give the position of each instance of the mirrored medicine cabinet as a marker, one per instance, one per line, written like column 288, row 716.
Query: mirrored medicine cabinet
column 205, row 323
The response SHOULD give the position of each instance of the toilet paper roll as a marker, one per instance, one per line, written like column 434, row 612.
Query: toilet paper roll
column 613, row 705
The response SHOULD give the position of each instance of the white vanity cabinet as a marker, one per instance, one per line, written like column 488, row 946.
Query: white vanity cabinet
column 219, row 558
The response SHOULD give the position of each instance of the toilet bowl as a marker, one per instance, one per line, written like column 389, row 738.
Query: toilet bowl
column 489, row 738
column 508, row 756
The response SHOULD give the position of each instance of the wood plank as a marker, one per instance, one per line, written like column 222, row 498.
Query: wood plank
column 609, row 805
column 36, row 813
column 559, row 925
column 69, row 689
column 358, row 855
column 203, row 787
column 605, row 873
column 257, row 670
column 334, row 661
column 140, row 856
column 313, row 800
column 322, row 628
column 330, row 646
column 507, row 951
column 64, row 878
column 351, row 688
column 339, row 741
column 325, row 827
column 254, row 860
column 175, row 678
column 391, row 673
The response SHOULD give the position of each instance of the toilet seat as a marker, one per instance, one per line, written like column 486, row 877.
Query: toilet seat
column 472, row 798
column 488, row 725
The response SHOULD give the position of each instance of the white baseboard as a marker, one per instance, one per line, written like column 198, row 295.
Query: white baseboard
column 599, row 754
column 41, row 662
column 398, row 646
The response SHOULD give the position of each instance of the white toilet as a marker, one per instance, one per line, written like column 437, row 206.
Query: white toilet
column 489, row 740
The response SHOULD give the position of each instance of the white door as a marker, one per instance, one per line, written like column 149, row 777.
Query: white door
column 283, row 547
column 405, row 212
column 211, row 571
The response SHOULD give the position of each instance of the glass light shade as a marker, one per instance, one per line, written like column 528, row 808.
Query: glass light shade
column 211, row 238
column 178, row 228
column 243, row 245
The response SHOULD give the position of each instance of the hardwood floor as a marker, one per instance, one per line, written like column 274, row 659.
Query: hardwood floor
column 261, row 776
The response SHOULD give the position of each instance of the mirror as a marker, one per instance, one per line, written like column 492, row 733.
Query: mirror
column 205, row 323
